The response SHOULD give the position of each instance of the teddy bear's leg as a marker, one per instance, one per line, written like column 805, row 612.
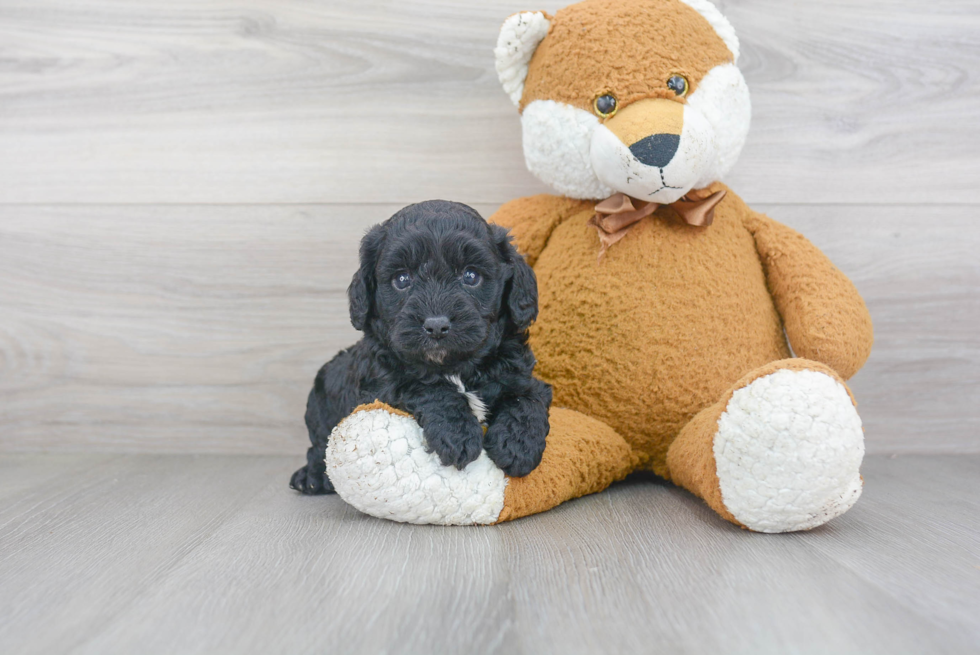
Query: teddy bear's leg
column 583, row 456
column 780, row 451
column 377, row 461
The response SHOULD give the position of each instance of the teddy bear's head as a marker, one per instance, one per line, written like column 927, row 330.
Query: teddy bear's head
column 640, row 97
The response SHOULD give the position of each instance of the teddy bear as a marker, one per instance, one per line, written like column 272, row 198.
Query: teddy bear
column 682, row 332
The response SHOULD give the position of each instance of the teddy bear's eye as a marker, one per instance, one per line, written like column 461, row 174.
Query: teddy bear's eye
column 678, row 84
column 606, row 105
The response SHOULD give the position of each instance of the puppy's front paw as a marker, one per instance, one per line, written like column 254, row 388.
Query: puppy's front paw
column 456, row 444
column 515, row 440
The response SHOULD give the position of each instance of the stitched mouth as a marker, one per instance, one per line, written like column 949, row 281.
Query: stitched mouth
column 664, row 184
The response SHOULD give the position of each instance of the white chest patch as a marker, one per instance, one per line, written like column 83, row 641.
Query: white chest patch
column 476, row 404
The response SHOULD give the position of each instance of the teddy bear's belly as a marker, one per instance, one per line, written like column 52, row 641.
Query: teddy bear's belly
column 671, row 318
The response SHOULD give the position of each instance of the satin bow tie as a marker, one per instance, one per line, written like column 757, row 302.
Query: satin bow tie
column 615, row 215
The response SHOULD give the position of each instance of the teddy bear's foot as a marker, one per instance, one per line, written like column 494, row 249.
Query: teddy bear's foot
column 377, row 461
column 780, row 453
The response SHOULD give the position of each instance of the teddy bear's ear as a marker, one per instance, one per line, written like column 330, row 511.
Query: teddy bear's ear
column 519, row 38
column 718, row 21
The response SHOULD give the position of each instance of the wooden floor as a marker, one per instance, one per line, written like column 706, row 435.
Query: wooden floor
column 212, row 554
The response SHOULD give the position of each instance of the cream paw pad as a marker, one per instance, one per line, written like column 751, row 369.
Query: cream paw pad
column 378, row 463
column 788, row 452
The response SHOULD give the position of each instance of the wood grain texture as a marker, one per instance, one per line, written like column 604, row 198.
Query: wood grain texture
column 76, row 550
column 163, row 554
column 214, row 101
column 199, row 329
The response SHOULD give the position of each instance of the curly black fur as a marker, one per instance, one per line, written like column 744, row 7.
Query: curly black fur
column 468, row 300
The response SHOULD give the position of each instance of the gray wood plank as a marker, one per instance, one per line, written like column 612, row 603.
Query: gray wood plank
column 213, row 554
column 79, row 549
column 652, row 568
column 324, row 578
column 920, row 518
column 324, row 100
column 21, row 472
column 199, row 328
column 141, row 319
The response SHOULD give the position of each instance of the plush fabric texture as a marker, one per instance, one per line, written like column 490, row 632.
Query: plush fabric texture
column 619, row 166
column 689, row 293
column 723, row 100
column 628, row 47
column 594, row 451
column 572, row 152
column 801, row 428
column 558, row 148
column 377, row 460
column 531, row 220
column 519, row 37
column 378, row 463
column 722, row 27
column 692, row 461
column 824, row 315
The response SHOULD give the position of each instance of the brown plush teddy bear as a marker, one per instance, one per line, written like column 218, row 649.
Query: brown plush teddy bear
column 667, row 306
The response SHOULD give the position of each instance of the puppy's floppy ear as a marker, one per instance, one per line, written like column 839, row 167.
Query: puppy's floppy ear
column 520, row 299
column 360, row 293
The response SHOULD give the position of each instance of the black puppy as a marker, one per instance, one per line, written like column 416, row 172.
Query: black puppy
column 444, row 301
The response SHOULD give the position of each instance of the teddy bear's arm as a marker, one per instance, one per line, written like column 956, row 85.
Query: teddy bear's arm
column 824, row 315
column 531, row 220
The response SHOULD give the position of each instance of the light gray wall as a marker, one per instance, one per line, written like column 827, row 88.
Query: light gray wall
column 182, row 186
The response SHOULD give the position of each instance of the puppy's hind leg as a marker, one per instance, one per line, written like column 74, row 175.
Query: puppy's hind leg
column 312, row 479
column 327, row 404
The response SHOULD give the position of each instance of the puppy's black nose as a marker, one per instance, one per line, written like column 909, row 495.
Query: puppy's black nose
column 656, row 150
column 437, row 326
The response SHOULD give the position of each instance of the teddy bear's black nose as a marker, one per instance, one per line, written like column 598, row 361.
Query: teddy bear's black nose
column 436, row 326
column 657, row 149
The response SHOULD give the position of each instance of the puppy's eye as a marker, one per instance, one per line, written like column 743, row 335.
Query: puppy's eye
column 471, row 278
column 605, row 105
column 402, row 281
column 678, row 84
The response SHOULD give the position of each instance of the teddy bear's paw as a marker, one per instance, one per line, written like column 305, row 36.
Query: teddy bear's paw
column 378, row 463
column 788, row 451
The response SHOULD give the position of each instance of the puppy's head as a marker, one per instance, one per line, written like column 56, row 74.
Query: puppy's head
column 440, row 286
